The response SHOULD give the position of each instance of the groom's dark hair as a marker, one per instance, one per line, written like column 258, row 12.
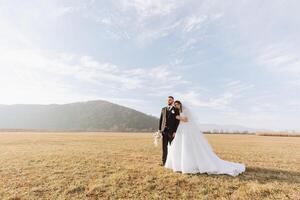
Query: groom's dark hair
column 171, row 97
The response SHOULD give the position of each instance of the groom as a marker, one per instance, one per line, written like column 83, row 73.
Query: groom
column 168, row 126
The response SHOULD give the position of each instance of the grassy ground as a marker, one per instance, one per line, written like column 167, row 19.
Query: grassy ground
column 279, row 134
column 125, row 166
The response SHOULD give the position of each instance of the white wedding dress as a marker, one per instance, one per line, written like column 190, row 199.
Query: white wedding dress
column 191, row 153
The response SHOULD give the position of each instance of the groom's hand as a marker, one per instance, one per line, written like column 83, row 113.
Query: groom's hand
column 174, row 134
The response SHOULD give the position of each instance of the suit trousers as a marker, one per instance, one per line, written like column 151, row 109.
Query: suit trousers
column 167, row 137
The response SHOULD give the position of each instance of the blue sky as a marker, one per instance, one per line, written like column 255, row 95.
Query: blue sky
column 235, row 62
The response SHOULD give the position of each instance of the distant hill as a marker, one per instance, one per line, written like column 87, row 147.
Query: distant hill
column 226, row 128
column 84, row 116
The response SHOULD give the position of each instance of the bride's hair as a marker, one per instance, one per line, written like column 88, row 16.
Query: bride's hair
column 179, row 102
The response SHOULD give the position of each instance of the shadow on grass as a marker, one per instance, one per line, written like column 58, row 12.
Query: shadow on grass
column 266, row 175
column 262, row 175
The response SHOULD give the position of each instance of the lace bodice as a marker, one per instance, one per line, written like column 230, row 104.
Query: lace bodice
column 183, row 115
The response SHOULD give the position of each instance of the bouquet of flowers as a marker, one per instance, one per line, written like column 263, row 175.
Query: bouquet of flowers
column 157, row 137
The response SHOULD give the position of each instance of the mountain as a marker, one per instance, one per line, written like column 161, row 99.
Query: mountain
column 83, row 116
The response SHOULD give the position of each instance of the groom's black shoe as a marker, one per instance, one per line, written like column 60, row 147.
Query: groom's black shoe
column 161, row 164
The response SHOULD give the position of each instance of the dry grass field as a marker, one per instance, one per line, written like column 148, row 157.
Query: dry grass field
column 125, row 166
column 278, row 134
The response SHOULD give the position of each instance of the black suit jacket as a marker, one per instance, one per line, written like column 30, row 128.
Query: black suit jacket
column 171, row 121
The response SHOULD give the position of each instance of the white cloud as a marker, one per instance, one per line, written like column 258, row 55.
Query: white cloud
column 39, row 71
column 232, row 91
column 150, row 8
column 146, row 21
column 196, row 99
column 279, row 58
column 194, row 22
column 11, row 36
column 148, row 35
column 237, row 87
column 64, row 10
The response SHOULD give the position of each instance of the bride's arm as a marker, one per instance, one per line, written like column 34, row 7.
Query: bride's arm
column 182, row 118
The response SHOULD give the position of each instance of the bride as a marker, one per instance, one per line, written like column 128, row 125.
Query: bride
column 191, row 153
